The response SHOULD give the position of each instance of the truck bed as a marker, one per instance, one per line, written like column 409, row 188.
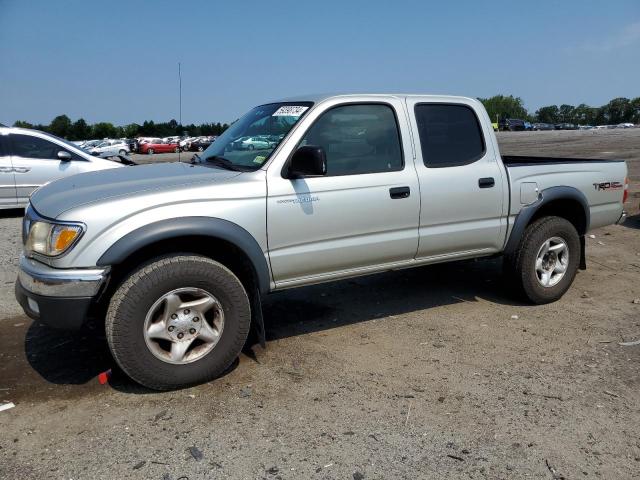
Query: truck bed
column 599, row 180
column 521, row 160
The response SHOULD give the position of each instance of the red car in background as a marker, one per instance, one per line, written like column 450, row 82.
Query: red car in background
column 158, row 147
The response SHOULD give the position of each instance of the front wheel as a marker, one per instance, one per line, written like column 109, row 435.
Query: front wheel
column 178, row 321
column 150, row 151
column 176, row 150
column 545, row 264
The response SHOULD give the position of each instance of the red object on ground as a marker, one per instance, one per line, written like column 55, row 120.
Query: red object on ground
column 104, row 377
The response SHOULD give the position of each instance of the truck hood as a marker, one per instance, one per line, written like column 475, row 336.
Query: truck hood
column 61, row 195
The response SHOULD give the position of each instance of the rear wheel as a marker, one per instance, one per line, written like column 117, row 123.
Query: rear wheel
column 545, row 264
column 150, row 151
column 122, row 152
column 177, row 149
column 178, row 321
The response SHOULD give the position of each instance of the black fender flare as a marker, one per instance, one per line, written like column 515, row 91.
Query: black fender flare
column 546, row 196
column 188, row 226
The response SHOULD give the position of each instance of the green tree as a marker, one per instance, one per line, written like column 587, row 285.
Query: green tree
column 634, row 106
column 103, row 130
column 131, row 130
column 618, row 110
column 22, row 124
column 80, row 130
column 566, row 113
column 548, row 114
column 60, row 126
column 501, row 106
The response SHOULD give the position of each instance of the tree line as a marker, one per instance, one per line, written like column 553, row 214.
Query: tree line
column 618, row 110
column 63, row 127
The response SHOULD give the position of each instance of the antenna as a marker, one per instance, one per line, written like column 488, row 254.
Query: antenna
column 180, row 107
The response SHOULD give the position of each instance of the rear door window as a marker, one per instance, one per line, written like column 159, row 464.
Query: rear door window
column 450, row 135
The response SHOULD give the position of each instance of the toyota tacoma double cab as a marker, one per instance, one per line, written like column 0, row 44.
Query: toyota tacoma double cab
column 175, row 257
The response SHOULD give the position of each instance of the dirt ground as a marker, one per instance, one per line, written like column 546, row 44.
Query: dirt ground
column 435, row 372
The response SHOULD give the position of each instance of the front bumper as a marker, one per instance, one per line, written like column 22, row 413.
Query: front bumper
column 59, row 298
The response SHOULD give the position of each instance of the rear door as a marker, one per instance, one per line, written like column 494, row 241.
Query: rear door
column 35, row 162
column 7, row 178
column 462, row 182
column 363, row 214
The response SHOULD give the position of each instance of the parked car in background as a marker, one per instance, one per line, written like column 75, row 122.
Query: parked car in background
column 133, row 144
column 110, row 148
column 543, row 126
column 565, row 126
column 185, row 143
column 511, row 125
column 30, row 158
column 89, row 144
column 158, row 146
column 626, row 125
column 259, row 142
column 528, row 126
column 200, row 144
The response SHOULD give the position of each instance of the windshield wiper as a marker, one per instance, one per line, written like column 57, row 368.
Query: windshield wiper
column 225, row 163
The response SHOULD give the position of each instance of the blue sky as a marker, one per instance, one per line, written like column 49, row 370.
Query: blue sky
column 117, row 60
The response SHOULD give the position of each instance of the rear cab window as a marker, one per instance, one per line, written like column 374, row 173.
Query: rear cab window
column 450, row 134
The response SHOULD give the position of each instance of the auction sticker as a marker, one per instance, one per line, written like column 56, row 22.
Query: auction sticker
column 290, row 111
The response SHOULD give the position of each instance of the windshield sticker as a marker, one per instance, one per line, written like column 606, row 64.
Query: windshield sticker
column 259, row 159
column 290, row 111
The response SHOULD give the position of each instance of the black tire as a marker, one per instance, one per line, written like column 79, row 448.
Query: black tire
column 135, row 296
column 177, row 150
column 200, row 148
column 251, row 147
column 521, row 266
column 122, row 152
column 150, row 151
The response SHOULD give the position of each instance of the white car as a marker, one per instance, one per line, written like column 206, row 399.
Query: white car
column 110, row 148
column 30, row 159
column 626, row 125
column 256, row 143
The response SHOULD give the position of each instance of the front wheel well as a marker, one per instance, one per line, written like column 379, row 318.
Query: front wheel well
column 216, row 249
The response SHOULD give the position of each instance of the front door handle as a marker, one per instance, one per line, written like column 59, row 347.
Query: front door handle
column 399, row 192
column 487, row 182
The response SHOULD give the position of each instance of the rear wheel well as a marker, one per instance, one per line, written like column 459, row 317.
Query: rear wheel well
column 571, row 210
column 216, row 249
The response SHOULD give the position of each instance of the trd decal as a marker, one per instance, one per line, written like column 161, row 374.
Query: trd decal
column 608, row 185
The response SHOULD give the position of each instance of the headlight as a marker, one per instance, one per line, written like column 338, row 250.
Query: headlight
column 51, row 239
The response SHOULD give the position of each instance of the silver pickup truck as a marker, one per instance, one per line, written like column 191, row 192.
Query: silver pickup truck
column 176, row 256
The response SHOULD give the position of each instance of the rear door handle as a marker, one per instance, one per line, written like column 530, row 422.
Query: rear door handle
column 399, row 192
column 486, row 182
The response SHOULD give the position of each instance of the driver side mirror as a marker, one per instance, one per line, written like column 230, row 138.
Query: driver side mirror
column 308, row 161
column 64, row 156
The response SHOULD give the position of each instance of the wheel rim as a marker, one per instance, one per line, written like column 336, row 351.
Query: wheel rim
column 552, row 261
column 183, row 325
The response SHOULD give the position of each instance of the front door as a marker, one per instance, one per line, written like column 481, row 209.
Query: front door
column 35, row 162
column 362, row 214
column 7, row 179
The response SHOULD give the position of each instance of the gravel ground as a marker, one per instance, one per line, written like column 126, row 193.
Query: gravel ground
column 434, row 372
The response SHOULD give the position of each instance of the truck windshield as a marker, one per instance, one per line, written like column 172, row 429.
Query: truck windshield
column 247, row 144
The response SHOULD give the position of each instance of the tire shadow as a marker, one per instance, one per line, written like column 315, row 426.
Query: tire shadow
column 77, row 358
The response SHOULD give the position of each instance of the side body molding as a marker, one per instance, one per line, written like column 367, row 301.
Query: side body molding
column 546, row 196
column 187, row 226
